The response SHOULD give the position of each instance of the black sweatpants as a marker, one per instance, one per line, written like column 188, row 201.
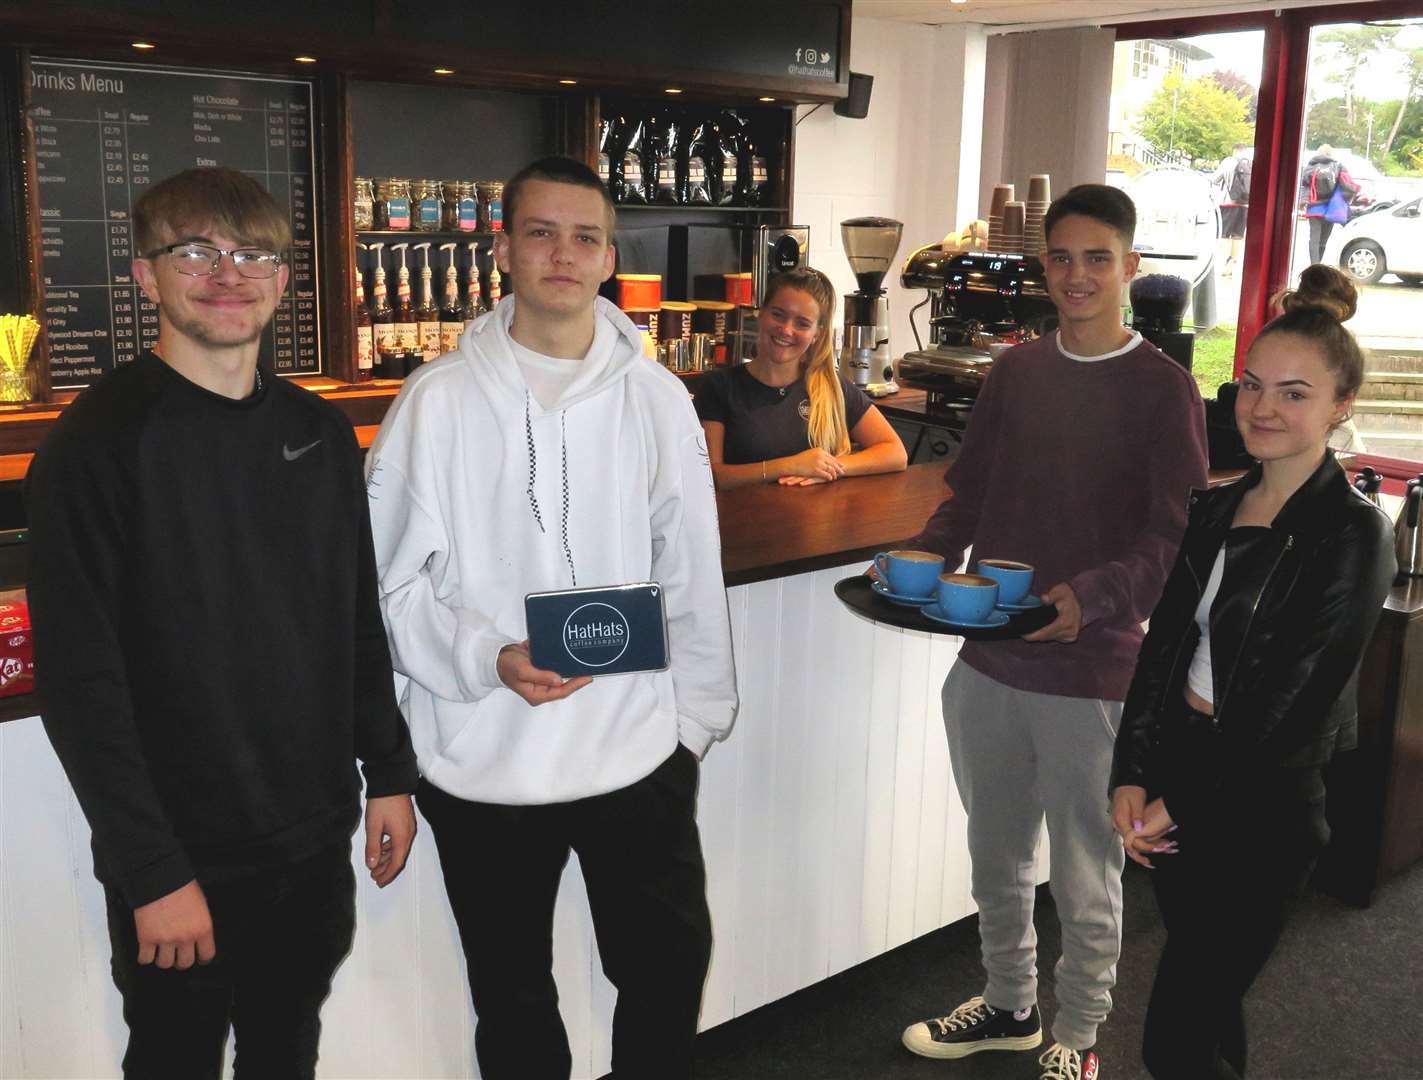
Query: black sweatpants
column 1224, row 897
column 641, row 858
column 280, row 937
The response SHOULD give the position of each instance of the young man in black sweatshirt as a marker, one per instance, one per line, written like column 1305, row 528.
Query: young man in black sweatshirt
column 210, row 655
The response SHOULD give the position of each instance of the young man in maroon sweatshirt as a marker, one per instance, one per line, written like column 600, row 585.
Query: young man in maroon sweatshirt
column 1079, row 458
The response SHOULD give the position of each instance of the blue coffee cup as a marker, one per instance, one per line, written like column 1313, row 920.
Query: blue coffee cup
column 967, row 598
column 910, row 573
column 1014, row 579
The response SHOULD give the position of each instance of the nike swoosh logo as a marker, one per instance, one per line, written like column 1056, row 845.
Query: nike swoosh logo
column 292, row 455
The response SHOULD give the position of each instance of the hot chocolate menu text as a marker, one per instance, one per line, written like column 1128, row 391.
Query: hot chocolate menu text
column 104, row 134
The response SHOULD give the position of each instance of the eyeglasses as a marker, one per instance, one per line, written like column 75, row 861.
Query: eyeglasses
column 200, row 260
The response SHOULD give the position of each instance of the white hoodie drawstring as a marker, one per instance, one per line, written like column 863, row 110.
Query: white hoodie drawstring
column 533, row 475
column 567, row 548
column 533, row 466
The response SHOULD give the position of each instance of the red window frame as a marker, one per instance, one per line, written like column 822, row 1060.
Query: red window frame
column 1279, row 128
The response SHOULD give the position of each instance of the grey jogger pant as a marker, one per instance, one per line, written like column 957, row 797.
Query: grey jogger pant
column 1019, row 756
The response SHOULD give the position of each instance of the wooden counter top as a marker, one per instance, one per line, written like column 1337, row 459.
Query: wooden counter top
column 769, row 531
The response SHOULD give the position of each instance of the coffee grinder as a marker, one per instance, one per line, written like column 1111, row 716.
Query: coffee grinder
column 870, row 245
column 1158, row 303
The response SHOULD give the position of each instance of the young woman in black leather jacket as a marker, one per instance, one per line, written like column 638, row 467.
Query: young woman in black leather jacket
column 1244, row 685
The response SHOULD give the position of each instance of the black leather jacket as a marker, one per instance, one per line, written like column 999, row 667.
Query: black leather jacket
column 1296, row 607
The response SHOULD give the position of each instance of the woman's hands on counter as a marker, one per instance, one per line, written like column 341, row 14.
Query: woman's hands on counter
column 534, row 685
column 881, row 451
column 813, row 464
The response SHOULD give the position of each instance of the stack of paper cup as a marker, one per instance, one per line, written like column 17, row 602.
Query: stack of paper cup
column 1013, row 219
column 1002, row 195
column 1035, row 209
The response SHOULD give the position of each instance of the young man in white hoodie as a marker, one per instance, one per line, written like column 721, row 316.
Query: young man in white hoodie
column 548, row 453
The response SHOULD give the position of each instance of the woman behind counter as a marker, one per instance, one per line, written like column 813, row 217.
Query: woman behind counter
column 1244, row 687
column 788, row 416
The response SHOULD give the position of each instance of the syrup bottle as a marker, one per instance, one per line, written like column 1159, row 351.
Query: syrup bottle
column 474, row 305
column 365, row 333
column 427, row 315
column 387, row 354
column 407, row 330
column 451, row 319
column 496, row 292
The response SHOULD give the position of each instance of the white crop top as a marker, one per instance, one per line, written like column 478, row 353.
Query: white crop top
column 1199, row 677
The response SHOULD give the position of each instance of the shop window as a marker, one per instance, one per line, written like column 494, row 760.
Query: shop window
column 1363, row 138
column 1182, row 148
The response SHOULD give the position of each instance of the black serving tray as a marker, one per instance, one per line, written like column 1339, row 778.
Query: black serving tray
column 855, row 593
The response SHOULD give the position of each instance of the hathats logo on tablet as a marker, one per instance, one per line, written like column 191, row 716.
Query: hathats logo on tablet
column 596, row 635
column 609, row 630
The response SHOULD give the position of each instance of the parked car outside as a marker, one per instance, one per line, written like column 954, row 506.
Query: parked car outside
column 1386, row 241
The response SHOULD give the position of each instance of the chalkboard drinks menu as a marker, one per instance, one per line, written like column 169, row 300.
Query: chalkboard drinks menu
column 103, row 134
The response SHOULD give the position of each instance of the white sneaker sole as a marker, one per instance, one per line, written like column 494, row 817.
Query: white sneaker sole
column 917, row 1040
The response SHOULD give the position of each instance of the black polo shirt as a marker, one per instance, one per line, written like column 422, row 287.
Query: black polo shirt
column 764, row 422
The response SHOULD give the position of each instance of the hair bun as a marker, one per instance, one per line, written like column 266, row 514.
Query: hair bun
column 1325, row 289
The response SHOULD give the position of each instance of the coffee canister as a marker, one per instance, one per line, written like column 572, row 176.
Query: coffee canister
column 645, row 319
column 738, row 288
column 712, row 317
column 637, row 292
column 676, row 321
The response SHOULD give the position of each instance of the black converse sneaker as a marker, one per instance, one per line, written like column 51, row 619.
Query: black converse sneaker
column 973, row 1026
column 1062, row 1063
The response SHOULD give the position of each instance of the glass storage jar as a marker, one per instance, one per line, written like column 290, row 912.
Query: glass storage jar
column 491, row 205
column 425, row 206
column 392, row 205
column 363, row 204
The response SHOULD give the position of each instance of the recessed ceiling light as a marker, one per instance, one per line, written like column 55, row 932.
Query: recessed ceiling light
column 144, row 45
column 958, row 1
column 304, row 59
column 444, row 71
column 672, row 90
column 568, row 82
column 765, row 99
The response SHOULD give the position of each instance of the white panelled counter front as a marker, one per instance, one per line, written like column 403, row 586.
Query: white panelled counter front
column 831, row 828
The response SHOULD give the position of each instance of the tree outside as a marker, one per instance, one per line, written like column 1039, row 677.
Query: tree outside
column 1196, row 121
column 1386, row 130
column 1241, row 87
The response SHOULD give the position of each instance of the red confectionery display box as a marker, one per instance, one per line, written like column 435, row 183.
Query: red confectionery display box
column 17, row 646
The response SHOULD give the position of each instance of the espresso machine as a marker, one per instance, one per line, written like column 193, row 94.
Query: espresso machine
column 980, row 303
column 870, row 245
